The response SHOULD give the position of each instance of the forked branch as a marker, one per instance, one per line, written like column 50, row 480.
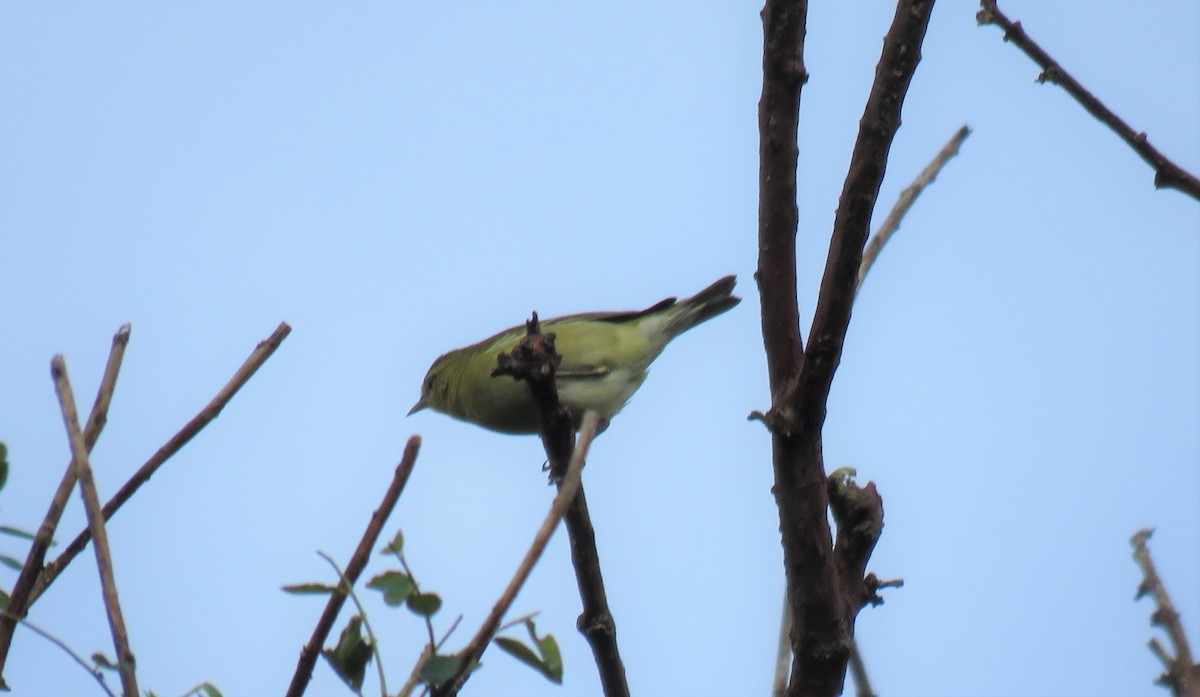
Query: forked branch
column 825, row 590
column 257, row 357
column 19, row 601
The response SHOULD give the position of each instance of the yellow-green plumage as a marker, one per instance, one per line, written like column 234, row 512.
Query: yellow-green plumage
column 605, row 356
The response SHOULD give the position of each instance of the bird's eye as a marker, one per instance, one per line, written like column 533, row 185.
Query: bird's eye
column 430, row 382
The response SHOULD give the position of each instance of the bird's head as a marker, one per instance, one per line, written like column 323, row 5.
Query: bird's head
column 435, row 388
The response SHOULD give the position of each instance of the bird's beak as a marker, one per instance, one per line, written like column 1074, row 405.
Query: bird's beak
column 421, row 404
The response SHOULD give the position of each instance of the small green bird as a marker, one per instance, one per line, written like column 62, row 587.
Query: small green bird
column 605, row 356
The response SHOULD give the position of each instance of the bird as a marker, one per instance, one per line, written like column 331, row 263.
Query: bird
column 605, row 358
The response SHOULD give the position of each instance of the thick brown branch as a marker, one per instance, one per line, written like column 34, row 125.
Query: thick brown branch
column 1167, row 174
column 534, row 361
column 257, row 357
column 1182, row 674
column 19, row 601
column 91, row 504
column 358, row 562
column 778, row 118
column 851, row 224
column 822, row 602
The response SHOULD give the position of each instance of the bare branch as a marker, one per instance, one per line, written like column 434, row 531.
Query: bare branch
column 784, row 76
column 1182, row 673
column 534, row 360
column 354, row 569
column 783, row 655
column 907, row 197
column 91, row 503
column 823, row 604
column 859, row 670
column 558, row 508
column 1167, row 175
column 261, row 353
column 19, row 601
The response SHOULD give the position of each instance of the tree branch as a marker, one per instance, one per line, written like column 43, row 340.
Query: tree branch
column 354, row 569
column 823, row 603
column 858, row 669
column 905, row 201
column 257, row 357
column 1167, row 175
column 1182, row 674
column 881, row 237
column 91, row 504
column 851, row 224
column 19, row 601
column 784, row 76
column 534, row 360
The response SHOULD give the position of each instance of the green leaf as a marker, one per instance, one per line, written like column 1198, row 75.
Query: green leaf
column 547, row 660
column 425, row 604
column 3, row 464
column 310, row 589
column 350, row 658
column 551, row 658
column 16, row 532
column 10, row 562
column 438, row 669
column 396, row 545
column 396, row 587
column 519, row 651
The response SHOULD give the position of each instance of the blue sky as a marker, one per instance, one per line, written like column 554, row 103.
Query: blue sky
column 399, row 179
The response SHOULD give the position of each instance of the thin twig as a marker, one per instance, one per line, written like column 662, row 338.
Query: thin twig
column 358, row 562
column 416, row 589
column 257, row 357
column 906, row 199
column 90, row 668
column 91, row 504
column 414, row 677
column 783, row 655
column 1182, row 674
column 19, row 601
column 448, row 632
column 858, row 669
column 568, row 487
column 349, row 586
column 1167, row 174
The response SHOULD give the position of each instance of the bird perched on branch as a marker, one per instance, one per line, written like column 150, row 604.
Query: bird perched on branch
column 605, row 356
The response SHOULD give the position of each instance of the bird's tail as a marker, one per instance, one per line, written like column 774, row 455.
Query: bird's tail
column 680, row 316
column 669, row 318
column 710, row 302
